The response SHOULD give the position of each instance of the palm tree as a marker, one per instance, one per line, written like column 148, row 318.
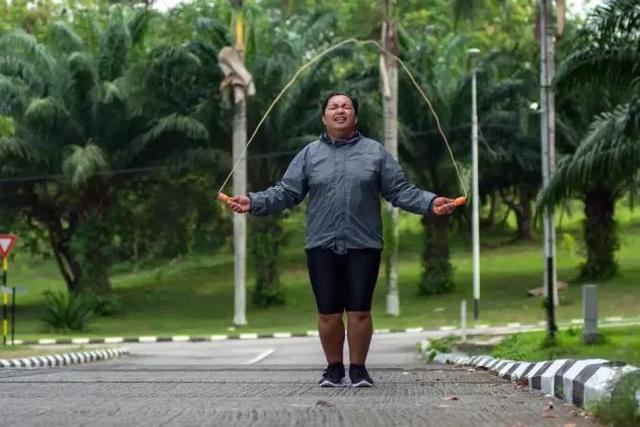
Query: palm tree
column 75, row 123
column 509, row 134
column 422, row 147
column 606, row 162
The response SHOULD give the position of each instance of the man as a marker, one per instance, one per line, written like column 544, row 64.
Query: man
column 344, row 174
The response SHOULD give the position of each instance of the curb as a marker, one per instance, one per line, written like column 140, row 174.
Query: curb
column 583, row 383
column 453, row 330
column 63, row 359
column 189, row 338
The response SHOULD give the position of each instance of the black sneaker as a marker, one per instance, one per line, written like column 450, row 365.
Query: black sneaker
column 333, row 375
column 359, row 376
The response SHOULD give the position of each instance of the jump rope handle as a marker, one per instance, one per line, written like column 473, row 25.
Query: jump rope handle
column 459, row 201
column 224, row 198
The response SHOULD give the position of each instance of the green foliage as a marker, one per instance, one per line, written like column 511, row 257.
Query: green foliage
column 106, row 306
column 265, row 251
column 437, row 275
column 66, row 312
column 511, row 348
column 622, row 407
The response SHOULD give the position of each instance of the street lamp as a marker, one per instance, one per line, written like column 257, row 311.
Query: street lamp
column 475, row 198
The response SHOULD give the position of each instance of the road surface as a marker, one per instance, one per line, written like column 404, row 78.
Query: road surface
column 268, row 382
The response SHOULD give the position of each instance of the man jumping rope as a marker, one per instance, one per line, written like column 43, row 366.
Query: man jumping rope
column 344, row 173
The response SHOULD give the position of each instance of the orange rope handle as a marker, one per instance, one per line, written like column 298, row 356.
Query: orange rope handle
column 224, row 198
column 460, row 201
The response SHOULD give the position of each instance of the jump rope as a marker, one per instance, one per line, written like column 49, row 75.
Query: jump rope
column 459, row 201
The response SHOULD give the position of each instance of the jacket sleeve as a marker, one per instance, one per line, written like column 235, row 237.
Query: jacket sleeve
column 287, row 192
column 398, row 191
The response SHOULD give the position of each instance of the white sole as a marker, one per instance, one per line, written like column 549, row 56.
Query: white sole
column 363, row 383
column 327, row 383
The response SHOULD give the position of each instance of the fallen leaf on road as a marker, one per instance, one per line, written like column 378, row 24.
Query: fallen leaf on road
column 451, row 398
column 324, row 403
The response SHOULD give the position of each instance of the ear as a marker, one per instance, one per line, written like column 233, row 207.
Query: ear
column 324, row 122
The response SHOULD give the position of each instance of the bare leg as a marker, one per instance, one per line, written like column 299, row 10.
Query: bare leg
column 359, row 331
column 331, row 331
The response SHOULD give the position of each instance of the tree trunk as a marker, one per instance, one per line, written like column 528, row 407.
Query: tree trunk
column 389, row 86
column 600, row 235
column 68, row 266
column 524, row 216
column 82, row 252
column 522, row 209
column 266, row 243
column 437, row 276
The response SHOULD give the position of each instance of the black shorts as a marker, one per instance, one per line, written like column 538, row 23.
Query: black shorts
column 343, row 281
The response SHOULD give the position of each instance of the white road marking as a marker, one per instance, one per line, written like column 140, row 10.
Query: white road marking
column 260, row 357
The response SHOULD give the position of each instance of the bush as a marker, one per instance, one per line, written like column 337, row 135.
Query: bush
column 106, row 305
column 622, row 409
column 67, row 312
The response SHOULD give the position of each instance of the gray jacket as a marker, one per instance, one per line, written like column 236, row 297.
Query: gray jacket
column 344, row 180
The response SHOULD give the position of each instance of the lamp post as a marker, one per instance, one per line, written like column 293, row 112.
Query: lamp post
column 475, row 198
column 547, row 142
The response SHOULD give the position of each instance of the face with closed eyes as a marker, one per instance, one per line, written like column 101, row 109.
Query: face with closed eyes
column 339, row 117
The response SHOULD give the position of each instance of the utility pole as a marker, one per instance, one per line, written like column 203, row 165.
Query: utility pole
column 475, row 199
column 547, row 140
column 389, row 89
column 239, row 176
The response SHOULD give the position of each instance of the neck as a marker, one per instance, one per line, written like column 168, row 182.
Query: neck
column 342, row 135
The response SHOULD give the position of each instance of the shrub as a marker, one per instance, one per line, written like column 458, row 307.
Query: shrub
column 66, row 311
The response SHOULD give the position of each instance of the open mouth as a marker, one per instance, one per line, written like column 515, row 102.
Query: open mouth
column 340, row 119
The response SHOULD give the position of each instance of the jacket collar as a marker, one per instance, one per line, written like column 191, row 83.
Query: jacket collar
column 352, row 140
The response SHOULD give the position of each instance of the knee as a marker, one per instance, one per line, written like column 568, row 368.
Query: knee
column 329, row 319
column 359, row 316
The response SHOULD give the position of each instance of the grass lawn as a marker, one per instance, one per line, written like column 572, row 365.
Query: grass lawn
column 194, row 295
column 620, row 343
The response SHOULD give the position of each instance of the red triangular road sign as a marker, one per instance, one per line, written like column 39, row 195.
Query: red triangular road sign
column 6, row 243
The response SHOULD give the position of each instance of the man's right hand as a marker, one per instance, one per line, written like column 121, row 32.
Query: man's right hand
column 239, row 204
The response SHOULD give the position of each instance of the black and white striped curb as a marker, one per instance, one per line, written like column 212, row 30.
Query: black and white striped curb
column 63, row 359
column 583, row 383
column 513, row 327
column 190, row 338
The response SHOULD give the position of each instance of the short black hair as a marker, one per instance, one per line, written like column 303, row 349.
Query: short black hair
column 354, row 101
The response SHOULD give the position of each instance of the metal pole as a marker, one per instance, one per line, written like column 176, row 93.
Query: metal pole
column 13, row 314
column 239, row 179
column 463, row 320
column 547, row 153
column 5, row 297
column 475, row 199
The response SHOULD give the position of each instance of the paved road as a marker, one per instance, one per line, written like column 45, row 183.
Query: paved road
column 268, row 382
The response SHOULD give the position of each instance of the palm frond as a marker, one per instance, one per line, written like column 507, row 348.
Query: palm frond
column 182, row 125
column 12, row 66
column 590, row 65
column 13, row 95
column 45, row 113
column 138, row 24
column 65, row 37
column 111, row 92
column 113, row 56
column 605, row 155
column 80, row 163
column 18, row 42
column 16, row 148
